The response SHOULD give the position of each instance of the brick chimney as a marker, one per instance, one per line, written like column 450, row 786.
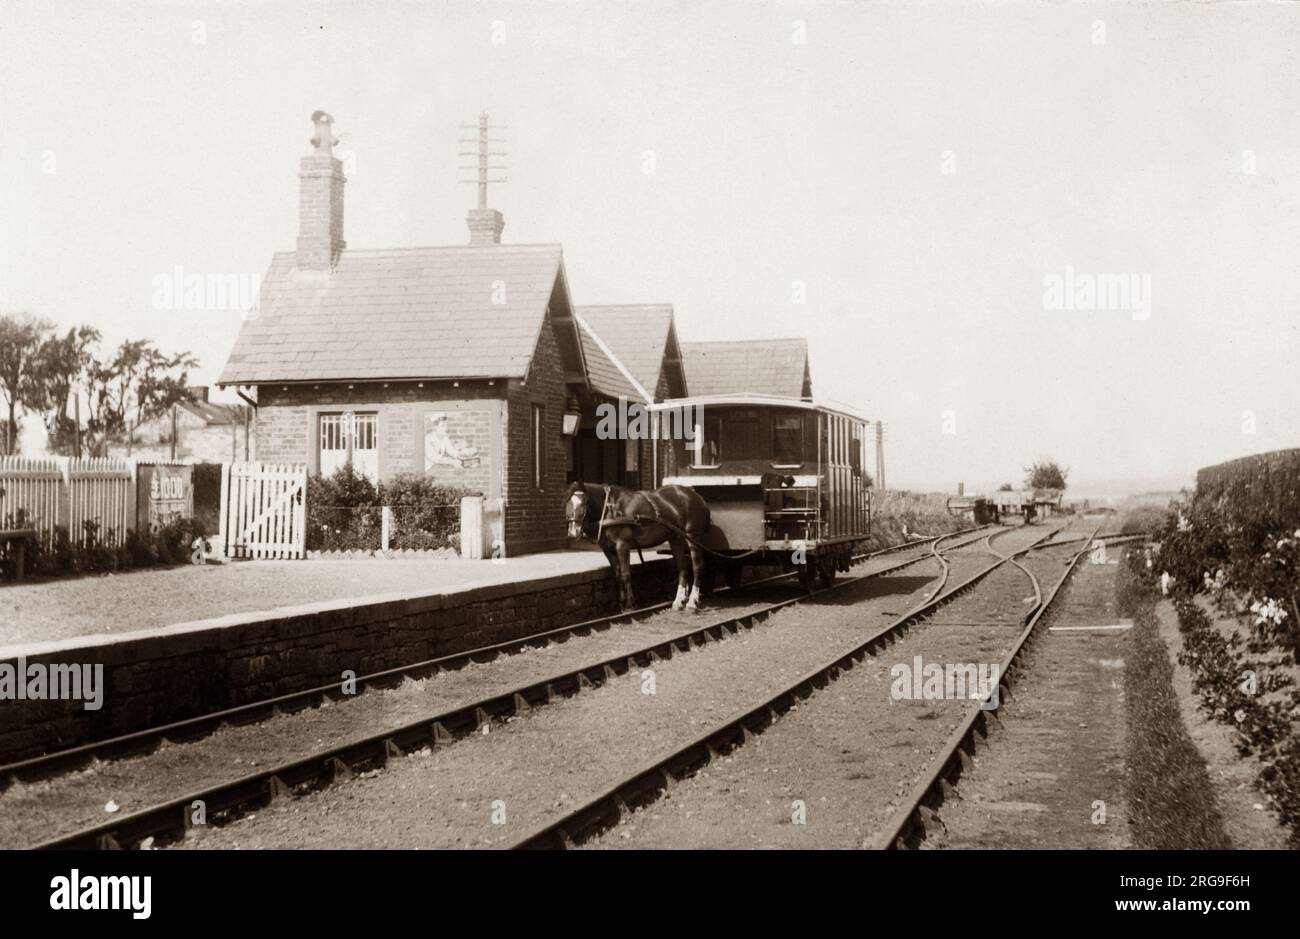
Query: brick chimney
column 485, row 226
column 320, row 201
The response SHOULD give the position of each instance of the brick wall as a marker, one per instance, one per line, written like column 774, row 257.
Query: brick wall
column 178, row 672
column 288, row 418
column 320, row 212
column 535, row 517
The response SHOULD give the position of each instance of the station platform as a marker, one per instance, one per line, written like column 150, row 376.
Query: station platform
column 117, row 605
column 183, row 642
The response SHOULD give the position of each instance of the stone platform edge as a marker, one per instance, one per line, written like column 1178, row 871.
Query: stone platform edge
column 169, row 673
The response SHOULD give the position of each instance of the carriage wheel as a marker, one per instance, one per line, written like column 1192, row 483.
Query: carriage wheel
column 826, row 571
column 708, row 580
column 808, row 574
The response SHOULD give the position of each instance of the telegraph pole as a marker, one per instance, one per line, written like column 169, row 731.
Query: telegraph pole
column 484, row 166
column 880, row 455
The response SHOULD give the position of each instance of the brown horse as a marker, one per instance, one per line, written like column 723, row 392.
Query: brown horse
column 619, row 520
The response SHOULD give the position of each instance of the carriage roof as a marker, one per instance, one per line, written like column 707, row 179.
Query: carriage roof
column 753, row 399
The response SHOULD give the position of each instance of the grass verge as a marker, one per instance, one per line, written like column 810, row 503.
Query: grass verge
column 1172, row 798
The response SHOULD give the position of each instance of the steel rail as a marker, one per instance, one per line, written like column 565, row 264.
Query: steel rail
column 652, row 779
column 147, row 740
column 908, row 824
column 225, row 800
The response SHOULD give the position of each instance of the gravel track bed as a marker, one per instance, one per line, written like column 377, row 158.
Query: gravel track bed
column 848, row 754
column 32, row 812
column 1059, row 747
column 536, row 766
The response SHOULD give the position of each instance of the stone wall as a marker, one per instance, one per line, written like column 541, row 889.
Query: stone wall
column 170, row 674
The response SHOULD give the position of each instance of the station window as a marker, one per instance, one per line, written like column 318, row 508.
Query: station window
column 351, row 439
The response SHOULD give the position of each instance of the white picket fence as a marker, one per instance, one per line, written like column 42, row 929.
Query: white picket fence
column 45, row 492
column 263, row 510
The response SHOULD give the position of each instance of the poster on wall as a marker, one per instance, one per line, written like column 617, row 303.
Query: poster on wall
column 164, row 493
column 443, row 447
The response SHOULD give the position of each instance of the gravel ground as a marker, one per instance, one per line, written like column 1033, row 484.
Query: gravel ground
column 1058, row 749
column 491, row 789
column 30, row 812
column 536, row 766
column 38, row 611
column 845, row 758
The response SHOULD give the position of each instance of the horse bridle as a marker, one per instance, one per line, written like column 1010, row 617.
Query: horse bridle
column 574, row 519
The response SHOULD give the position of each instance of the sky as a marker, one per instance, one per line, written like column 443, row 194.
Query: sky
column 899, row 183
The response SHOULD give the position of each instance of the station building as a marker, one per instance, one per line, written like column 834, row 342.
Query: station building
column 468, row 364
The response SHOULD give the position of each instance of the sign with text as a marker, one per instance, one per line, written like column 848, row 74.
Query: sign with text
column 165, row 492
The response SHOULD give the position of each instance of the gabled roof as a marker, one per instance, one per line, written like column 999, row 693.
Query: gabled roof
column 626, row 345
column 761, row 366
column 404, row 313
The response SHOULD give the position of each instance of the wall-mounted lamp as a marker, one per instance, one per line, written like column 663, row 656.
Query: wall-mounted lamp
column 570, row 424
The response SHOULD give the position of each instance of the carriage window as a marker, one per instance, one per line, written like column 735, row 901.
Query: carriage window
column 708, row 441
column 855, row 451
column 787, row 439
column 740, row 435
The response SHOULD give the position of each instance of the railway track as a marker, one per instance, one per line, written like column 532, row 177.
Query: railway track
column 661, row 772
column 908, row 825
column 147, row 740
column 227, row 800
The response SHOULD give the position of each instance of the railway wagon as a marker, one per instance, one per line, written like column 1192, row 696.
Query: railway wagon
column 784, row 479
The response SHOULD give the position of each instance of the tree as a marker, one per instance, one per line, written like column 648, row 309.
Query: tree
column 61, row 366
column 138, row 384
column 20, row 340
column 1005, row 487
column 1046, row 474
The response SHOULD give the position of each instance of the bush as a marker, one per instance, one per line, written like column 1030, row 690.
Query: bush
column 105, row 552
column 1237, row 543
column 425, row 514
column 345, row 512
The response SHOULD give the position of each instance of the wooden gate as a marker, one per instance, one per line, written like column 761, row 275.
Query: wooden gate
column 263, row 510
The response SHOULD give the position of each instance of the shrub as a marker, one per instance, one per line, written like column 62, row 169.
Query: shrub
column 344, row 512
column 425, row 514
column 106, row 552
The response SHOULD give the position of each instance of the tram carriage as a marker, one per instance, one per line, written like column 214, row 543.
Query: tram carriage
column 784, row 479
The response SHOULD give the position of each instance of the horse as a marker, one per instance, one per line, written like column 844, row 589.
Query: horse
column 619, row 519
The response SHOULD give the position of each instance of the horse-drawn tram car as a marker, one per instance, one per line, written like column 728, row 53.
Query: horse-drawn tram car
column 784, row 480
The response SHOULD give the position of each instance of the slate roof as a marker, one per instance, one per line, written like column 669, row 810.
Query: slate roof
column 637, row 337
column 761, row 366
column 400, row 313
